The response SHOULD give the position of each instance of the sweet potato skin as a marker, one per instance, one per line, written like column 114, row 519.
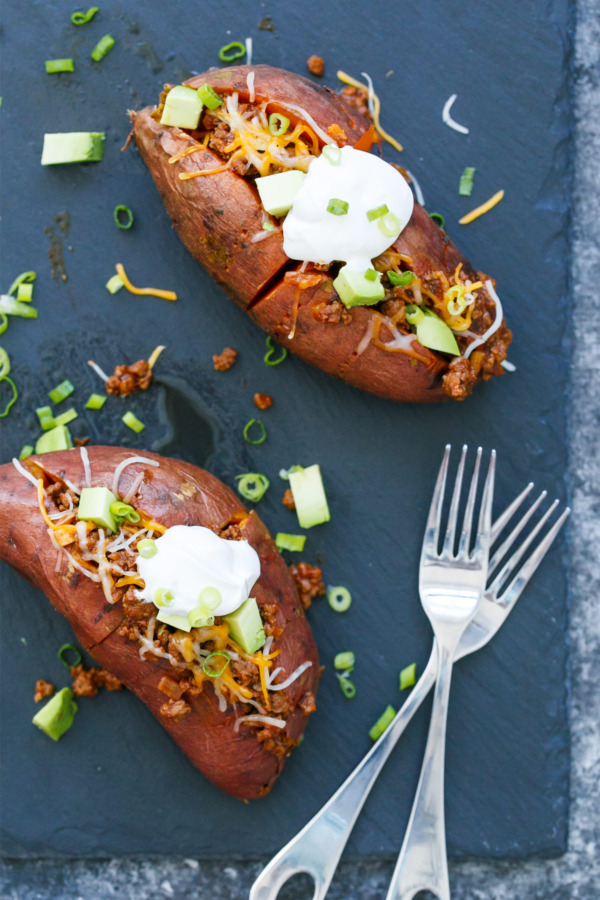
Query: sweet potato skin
column 173, row 493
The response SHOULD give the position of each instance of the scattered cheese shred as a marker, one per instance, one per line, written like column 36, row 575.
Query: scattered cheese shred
column 154, row 355
column 376, row 104
column 130, row 579
column 153, row 292
column 481, row 210
column 447, row 118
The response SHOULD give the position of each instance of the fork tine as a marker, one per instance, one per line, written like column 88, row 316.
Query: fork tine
column 465, row 537
column 515, row 588
column 503, row 520
column 507, row 544
column 432, row 528
column 484, row 527
column 448, row 547
column 511, row 563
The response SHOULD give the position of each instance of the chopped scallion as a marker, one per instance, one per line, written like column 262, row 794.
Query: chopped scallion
column 339, row 598
column 147, row 548
column 389, row 225
column 26, row 451
column 268, row 226
column 25, row 292
column 344, row 660
column 124, row 512
column 162, row 598
column 385, row 719
column 61, row 391
column 232, row 51
column 465, row 186
column 13, row 399
column 278, row 124
column 285, row 473
column 4, row 363
column 69, row 649
column 215, row 663
column 260, row 426
column 400, row 280
column 377, row 212
column 65, row 417
column 80, row 18
column 105, row 44
column 44, row 414
column 23, row 278
column 408, row 676
column 252, row 486
column 209, row 97
column 11, row 307
column 271, row 350
column 347, row 686
column 59, row 65
column 293, row 542
column 114, row 284
column 438, row 219
column 332, row 154
column 338, row 207
column 133, row 422
column 371, row 274
column 96, row 401
column 123, row 217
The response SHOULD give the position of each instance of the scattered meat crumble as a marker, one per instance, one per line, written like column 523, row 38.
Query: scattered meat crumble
column 175, row 709
column 309, row 582
column 288, row 499
column 225, row 360
column 86, row 682
column 308, row 704
column 43, row 689
column 128, row 380
column 316, row 65
column 263, row 401
column 331, row 313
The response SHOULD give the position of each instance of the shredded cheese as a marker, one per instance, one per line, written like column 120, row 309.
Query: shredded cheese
column 481, row 210
column 448, row 120
column 23, row 471
column 250, row 79
column 264, row 720
column 130, row 579
column 295, row 674
column 153, row 292
column 510, row 367
column 417, row 188
column 347, row 79
column 129, row 461
column 154, row 355
column 494, row 327
column 249, row 51
column 87, row 470
column 98, row 370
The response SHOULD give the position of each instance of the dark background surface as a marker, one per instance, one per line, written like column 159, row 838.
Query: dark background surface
column 116, row 784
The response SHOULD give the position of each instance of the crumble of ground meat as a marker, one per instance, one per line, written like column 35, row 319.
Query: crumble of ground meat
column 134, row 608
column 309, row 582
column 338, row 134
column 460, row 379
column 392, row 307
column 288, row 499
column 268, row 614
column 108, row 680
column 225, row 360
column 171, row 688
column 280, row 704
column 43, row 689
column 128, row 380
column 276, row 742
column 357, row 97
column 263, row 401
column 232, row 532
column 86, row 682
column 175, row 709
column 331, row 313
column 220, row 138
column 59, row 493
column 308, row 703
column 243, row 671
column 315, row 65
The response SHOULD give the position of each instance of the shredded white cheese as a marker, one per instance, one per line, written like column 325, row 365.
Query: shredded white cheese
column 265, row 720
column 87, row 469
column 250, row 83
column 448, row 120
column 129, row 462
column 98, row 370
column 417, row 188
column 249, row 52
column 295, row 674
column 308, row 120
column 371, row 95
column 23, row 471
column 510, row 367
column 494, row 327
column 366, row 339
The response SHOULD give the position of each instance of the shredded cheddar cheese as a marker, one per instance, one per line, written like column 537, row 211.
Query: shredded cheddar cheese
column 229, row 681
column 347, row 79
column 481, row 210
column 147, row 522
column 130, row 579
column 153, row 292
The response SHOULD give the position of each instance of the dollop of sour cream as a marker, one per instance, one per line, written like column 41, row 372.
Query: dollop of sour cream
column 191, row 558
column 363, row 181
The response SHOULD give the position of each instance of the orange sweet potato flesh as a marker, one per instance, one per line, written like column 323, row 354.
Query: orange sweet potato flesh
column 172, row 493
column 217, row 215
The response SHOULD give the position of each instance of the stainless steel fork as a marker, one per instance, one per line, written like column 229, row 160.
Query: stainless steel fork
column 317, row 848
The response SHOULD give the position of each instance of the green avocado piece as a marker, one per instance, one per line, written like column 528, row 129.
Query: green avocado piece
column 57, row 715
column 277, row 192
column 182, row 107
column 181, row 622
column 72, row 147
column 433, row 332
column 58, row 438
column 94, row 506
column 309, row 497
column 354, row 289
column 246, row 627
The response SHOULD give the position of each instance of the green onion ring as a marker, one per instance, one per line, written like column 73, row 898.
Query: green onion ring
column 13, row 399
column 408, row 676
column 263, row 431
column 105, row 44
column 339, row 598
column 389, row 225
column 4, row 363
column 344, row 660
column 400, row 280
column 271, row 351
column 413, row 314
column 347, row 686
column 26, row 451
column 377, row 212
column 465, row 186
column 285, row 473
column 80, row 18
column 248, row 491
column 147, row 548
column 332, row 154
column 4, row 321
column 338, row 207
column 438, row 219
column 122, row 511
column 59, row 65
column 209, row 96
column 239, row 50
column 215, row 673
column 61, row 391
column 123, row 210
column 384, row 720
column 70, row 648
column 278, row 124
column 371, row 274
column 24, row 277
column 162, row 598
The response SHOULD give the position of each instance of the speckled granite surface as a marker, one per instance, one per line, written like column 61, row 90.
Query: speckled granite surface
column 576, row 875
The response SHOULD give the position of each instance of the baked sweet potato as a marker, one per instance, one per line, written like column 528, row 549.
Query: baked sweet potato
column 154, row 660
column 220, row 219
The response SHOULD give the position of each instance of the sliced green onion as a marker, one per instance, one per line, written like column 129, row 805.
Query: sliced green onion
column 293, row 542
column 123, row 511
column 272, row 349
column 465, row 186
column 11, row 307
column 59, row 65
column 133, row 422
column 114, row 284
column 332, row 154
column 118, row 214
column 23, row 278
column 199, row 618
column 13, row 399
column 438, row 219
column 268, row 226
column 402, row 280
column 105, row 44
column 61, row 391
column 96, row 401
column 3, row 323
column 347, row 686
column 210, row 598
column 371, row 274
column 339, row 598
column 389, row 225
column 26, row 451
column 147, row 548
column 234, row 50
column 259, row 425
column 80, row 18
column 252, row 486
column 344, row 660
column 413, row 314
column 4, row 363
column 278, row 124
column 337, row 207
column 384, row 720
column 408, row 676
column 162, row 598
column 209, row 97
column 25, row 293
column 377, row 212
column 285, row 473
column 44, row 414
column 216, row 657
column 66, row 649
column 65, row 418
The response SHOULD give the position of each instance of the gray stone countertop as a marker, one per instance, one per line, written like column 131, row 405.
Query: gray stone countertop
column 576, row 875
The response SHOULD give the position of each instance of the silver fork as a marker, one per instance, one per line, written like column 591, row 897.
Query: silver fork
column 317, row 848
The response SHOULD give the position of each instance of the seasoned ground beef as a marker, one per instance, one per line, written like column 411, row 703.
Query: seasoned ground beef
column 232, row 532
column 308, row 703
column 128, row 380
column 460, row 379
column 280, row 705
column 315, row 65
column 86, row 682
column 288, row 499
column 43, row 689
column 331, row 313
column 268, row 614
column 136, row 609
column 263, row 401
column 175, row 709
column 225, row 360
column 276, row 741
column 309, row 582
column 358, row 99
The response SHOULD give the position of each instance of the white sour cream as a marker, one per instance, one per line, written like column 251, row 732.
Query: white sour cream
column 364, row 182
column 190, row 558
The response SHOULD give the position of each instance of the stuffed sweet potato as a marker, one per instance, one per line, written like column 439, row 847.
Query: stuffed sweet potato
column 235, row 712
column 262, row 121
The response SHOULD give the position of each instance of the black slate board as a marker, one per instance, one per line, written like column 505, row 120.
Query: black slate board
column 116, row 784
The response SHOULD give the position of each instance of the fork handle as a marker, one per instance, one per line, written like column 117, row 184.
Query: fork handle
column 422, row 864
column 318, row 847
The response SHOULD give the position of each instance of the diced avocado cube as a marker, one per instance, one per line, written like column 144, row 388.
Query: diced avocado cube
column 181, row 622
column 182, row 107
column 354, row 289
column 57, row 715
column 309, row 497
column 72, row 147
column 94, row 506
column 58, row 438
column 433, row 332
column 246, row 627
column 277, row 192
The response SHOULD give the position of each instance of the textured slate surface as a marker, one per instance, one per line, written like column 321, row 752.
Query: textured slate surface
column 104, row 790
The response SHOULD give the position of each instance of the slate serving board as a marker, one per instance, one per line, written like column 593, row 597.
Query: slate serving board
column 117, row 784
